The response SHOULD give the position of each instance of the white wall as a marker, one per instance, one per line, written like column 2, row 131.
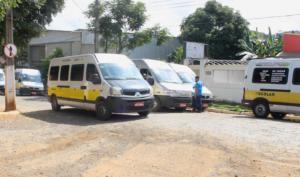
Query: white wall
column 224, row 81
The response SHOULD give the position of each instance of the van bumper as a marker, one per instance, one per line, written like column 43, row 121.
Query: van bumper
column 205, row 102
column 247, row 103
column 175, row 101
column 32, row 91
column 126, row 105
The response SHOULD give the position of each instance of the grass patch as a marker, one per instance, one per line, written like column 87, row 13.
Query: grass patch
column 229, row 105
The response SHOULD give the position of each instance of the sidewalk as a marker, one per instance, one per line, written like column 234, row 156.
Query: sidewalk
column 4, row 114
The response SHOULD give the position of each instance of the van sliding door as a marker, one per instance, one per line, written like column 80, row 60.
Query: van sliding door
column 294, row 97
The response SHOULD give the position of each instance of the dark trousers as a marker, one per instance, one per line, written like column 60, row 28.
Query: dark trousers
column 197, row 102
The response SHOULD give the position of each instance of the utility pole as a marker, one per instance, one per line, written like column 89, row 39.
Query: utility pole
column 97, row 28
column 10, row 103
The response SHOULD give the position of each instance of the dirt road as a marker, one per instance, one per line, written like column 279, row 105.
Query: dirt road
column 73, row 143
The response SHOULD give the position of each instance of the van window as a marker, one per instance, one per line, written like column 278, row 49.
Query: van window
column 77, row 72
column 90, row 71
column 64, row 73
column 1, row 77
column 17, row 75
column 270, row 75
column 54, row 73
column 296, row 76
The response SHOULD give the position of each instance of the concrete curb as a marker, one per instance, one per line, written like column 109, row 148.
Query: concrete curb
column 243, row 113
column 10, row 113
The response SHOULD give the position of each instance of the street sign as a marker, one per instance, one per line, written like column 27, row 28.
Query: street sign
column 10, row 50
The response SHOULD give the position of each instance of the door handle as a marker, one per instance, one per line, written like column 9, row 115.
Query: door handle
column 83, row 87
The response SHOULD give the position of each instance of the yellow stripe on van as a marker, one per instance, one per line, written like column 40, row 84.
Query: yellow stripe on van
column 74, row 93
column 273, row 96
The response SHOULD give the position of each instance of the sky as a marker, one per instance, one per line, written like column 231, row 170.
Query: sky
column 169, row 14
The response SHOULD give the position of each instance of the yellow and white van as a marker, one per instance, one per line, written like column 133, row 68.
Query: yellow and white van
column 28, row 81
column 105, row 83
column 273, row 86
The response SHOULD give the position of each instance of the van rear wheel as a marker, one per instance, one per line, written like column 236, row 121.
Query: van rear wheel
column 261, row 109
column 156, row 105
column 54, row 104
column 278, row 115
column 103, row 112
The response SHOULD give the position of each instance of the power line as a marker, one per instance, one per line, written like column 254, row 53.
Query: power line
column 174, row 4
column 77, row 5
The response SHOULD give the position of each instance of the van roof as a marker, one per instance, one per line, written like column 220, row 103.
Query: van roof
column 180, row 68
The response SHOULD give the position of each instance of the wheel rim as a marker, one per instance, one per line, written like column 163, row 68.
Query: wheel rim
column 102, row 110
column 260, row 109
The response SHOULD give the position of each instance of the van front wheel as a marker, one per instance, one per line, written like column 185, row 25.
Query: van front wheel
column 261, row 109
column 103, row 113
column 54, row 104
column 156, row 105
column 278, row 115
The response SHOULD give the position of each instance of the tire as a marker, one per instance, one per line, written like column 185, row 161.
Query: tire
column 144, row 114
column 156, row 105
column 54, row 104
column 180, row 109
column 278, row 115
column 103, row 112
column 261, row 109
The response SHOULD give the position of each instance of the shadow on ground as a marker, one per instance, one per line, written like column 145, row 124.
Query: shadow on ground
column 79, row 117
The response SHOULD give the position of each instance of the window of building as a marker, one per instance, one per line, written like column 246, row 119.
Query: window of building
column 90, row 71
column 270, row 75
column 54, row 73
column 77, row 72
column 296, row 76
column 64, row 73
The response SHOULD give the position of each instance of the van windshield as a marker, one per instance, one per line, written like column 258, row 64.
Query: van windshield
column 115, row 71
column 31, row 78
column 187, row 77
column 1, row 77
column 166, row 75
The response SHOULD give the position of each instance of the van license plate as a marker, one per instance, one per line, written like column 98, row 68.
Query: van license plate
column 182, row 104
column 33, row 93
column 139, row 104
column 205, row 105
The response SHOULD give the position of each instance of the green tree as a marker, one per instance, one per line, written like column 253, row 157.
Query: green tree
column 219, row 26
column 176, row 56
column 120, row 26
column 58, row 52
column 6, row 4
column 260, row 45
column 30, row 19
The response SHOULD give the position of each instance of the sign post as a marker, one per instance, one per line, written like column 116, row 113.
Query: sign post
column 10, row 51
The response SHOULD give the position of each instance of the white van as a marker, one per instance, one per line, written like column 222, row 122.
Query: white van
column 2, row 81
column 106, row 83
column 188, row 77
column 28, row 81
column 168, row 89
column 273, row 86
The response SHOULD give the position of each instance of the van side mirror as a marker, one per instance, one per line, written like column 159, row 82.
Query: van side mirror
column 96, row 79
column 150, row 81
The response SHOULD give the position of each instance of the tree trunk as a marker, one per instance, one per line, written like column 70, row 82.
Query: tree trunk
column 120, row 44
column 106, row 44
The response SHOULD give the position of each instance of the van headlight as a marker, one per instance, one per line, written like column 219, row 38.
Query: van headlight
column 115, row 92
column 191, row 93
column 170, row 91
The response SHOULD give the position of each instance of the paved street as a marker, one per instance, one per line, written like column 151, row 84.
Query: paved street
column 73, row 142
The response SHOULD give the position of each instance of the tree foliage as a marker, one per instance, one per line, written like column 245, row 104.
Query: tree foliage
column 219, row 26
column 120, row 26
column 58, row 52
column 176, row 56
column 6, row 4
column 30, row 19
column 260, row 45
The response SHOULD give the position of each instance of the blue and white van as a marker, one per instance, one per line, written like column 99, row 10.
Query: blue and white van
column 28, row 81
column 2, row 81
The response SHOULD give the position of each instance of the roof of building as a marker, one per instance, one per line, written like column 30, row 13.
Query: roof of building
column 226, row 62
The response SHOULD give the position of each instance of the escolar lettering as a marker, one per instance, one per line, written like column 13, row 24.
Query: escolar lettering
column 265, row 94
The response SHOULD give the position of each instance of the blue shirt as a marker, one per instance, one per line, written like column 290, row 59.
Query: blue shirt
column 199, row 85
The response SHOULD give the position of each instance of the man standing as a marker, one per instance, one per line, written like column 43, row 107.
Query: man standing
column 198, row 94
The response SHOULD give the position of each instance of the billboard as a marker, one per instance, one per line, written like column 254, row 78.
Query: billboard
column 193, row 50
